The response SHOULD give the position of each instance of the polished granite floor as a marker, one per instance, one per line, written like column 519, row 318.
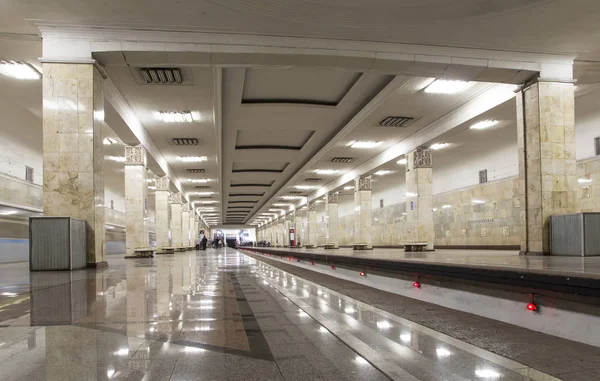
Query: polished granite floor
column 216, row 315
column 579, row 266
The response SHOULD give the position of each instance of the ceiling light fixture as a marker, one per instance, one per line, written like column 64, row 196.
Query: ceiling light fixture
column 304, row 187
column 584, row 181
column 120, row 159
column 8, row 212
column 199, row 180
column 177, row 116
column 348, row 187
column 383, row 172
column 18, row 70
column 402, row 162
column 438, row 146
column 363, row 144
column 192, row 159
column 292, row 197
column 326, row 171
column 280, row 204
column 444, row 86
column 484, row 124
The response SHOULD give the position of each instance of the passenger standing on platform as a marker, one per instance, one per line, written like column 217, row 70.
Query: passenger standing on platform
column 198, row 243
column 204, row 241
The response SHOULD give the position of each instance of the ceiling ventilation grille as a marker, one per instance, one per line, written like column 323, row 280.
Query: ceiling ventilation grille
column 202, row 187
column 195, row 170
column 296, row 193
column 312, row 180
column 342, row 160
column 396, row 121
column 184, row 141
column 161, row 76
column 206, row 198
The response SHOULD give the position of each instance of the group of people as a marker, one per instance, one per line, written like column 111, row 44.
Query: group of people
column 201, row 243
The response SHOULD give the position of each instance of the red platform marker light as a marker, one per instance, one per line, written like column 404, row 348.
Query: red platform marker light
column 289, row 258
column 531, row 307
column 332, row 267
column 417, row 284
column 312, row 263
column 298, row 260
column 362, row 273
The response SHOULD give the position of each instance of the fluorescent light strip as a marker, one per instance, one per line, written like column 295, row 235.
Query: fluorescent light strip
column 18, row 70
column 484, row 124
column 443, row 86
column 192, row 159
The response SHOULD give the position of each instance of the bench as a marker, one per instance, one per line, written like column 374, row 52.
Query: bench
column 359, row 246
column 418, row 246
column 329, row 246
column 310, row 246
column 180, row 249
column 166, row 250
column 144, row 252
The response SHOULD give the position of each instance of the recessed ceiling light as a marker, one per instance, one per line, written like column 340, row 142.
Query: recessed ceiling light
column 478, row 201
column 304, row 187
column 177, row 116
column 437, row 146
column 584, row 181
column 19, row 70
column 348, row 187
column 152, row 187
column 363, row 144
column 8, row 212
column 279, row 204
column 292, row 197
column 120, row 159
column 382, row 173
column 207, row 202
column 443, row 86
column 192, row 159
column 325, row 171
column 109, row 141
column 484, row 124
column 402, row 162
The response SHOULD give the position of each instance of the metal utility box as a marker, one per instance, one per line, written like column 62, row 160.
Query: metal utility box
column 575, row 234
column 57, row 243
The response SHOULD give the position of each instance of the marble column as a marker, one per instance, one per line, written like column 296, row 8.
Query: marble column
column 298, row 228
column 419, row 197
column 197, row 225
column 193, row 231
column 163, row 213
column 176, row 220
column 73, row 117
column 363, row 231
column 312, row 227
column 547, row 166
column 185, row 224
column 331, row 213
column 136, row 193
column 278, row 231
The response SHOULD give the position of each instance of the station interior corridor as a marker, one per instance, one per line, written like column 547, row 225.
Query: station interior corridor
column 224, row 315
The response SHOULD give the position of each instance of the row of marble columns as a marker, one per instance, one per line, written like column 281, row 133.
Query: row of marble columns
column 547, row 172
column 73, row 118
column 419, row 206
column 177, row 225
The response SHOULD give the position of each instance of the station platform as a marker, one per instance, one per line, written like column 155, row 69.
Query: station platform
column 571, row 275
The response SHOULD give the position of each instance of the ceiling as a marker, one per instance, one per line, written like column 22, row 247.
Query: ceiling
column 550, row 26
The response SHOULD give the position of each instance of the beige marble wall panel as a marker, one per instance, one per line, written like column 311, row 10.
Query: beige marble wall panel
column 19, row 192
column 488, row 215
column 588, row 176
column 332, row 224
column 73, row 116
column 193, row 230
column 546, row 128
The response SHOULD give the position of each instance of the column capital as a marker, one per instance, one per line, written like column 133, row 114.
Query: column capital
column 162, row 183
column 176, row 198
column 332, row 198
column 420, row 158
column 135, row 155
column 312, row 206
column 362, row 184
